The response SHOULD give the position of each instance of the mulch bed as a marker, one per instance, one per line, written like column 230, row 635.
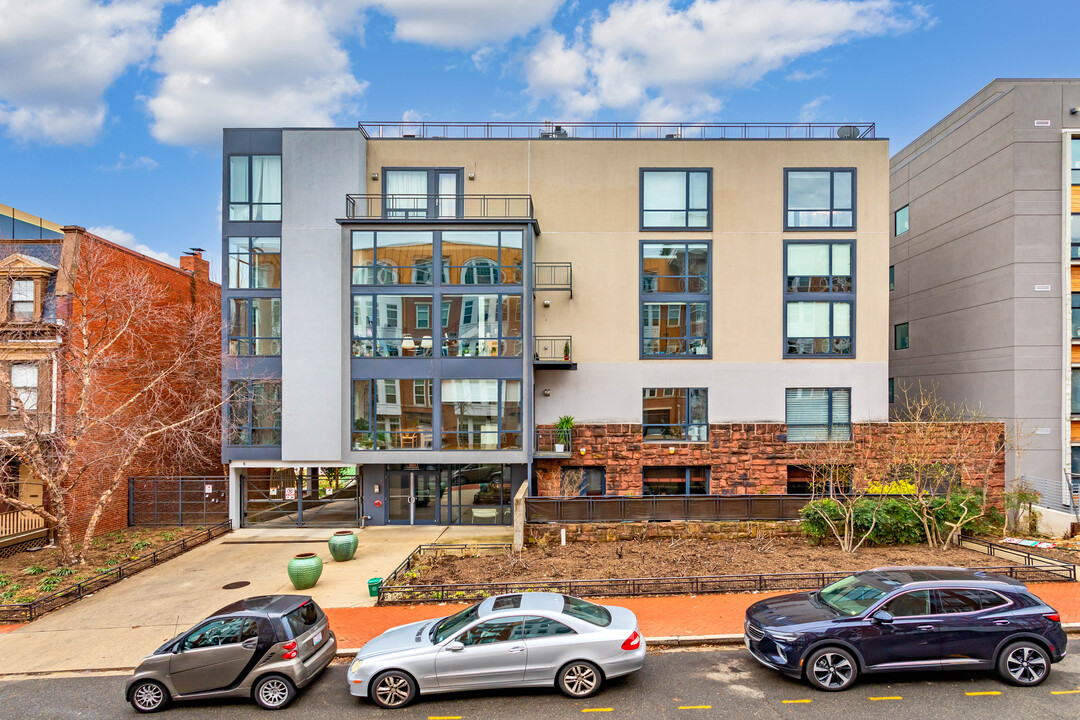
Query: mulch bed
column 679, row 558
column 26, row 576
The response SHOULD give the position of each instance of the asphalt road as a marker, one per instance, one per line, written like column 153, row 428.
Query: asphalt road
column 674, row 684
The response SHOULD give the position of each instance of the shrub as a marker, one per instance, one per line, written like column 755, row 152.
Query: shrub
column 48, row 584
column 896, row 523
column 34, row 570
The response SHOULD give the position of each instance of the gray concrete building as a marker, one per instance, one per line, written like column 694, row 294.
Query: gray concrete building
column 984, row 253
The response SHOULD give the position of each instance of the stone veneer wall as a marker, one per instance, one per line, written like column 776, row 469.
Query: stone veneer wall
column 742, row 458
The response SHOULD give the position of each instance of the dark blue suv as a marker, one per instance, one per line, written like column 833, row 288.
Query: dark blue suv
column 917, row 618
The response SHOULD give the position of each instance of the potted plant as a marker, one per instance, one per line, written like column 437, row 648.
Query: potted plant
column 343, row 545
column 566, row 356
column 304, row 570
column 562, row 432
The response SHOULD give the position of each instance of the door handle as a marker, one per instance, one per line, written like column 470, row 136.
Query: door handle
column 926, row 627
column 1001, row 622
column 516, row 649
column 250, row 643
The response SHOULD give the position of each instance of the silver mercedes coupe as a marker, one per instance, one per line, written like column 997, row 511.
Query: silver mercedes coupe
column 508, row 641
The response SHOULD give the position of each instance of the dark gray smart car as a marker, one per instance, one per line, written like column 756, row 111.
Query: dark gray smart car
column 262, row 647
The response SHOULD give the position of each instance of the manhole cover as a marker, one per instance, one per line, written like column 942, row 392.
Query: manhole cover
column 235, row 585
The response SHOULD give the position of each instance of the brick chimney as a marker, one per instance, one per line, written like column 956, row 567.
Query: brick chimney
column 195, row 265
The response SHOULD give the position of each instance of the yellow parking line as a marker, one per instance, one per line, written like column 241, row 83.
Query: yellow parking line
column 597, row 709
column 988, row 692
column 893, row 697
column 1065, row 692
column 695, row 707
column 789, row 702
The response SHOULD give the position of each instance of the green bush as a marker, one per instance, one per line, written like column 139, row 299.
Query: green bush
column 896, row 523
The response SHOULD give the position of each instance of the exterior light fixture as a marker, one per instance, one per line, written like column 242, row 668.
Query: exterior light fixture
column 671, row 450
column 547, row 392
column 472, row 176
column 582, row 451
column 547, row 303
column 375, row 176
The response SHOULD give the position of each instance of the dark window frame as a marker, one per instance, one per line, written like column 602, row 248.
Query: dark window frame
column 251, row 339
column 832, row 201
column 907, row 220
column 374, row 431
column 830, row 425
column 686, row 423
column 248, row 254
column 380, row 349
column 687, row 470
column 686, row 298
column 250, row 203
column 707, row 227
column 431, row 210
column 248, row 428
column 583, row 491
column 831, row 297
column 500, row 409
column 896, row 336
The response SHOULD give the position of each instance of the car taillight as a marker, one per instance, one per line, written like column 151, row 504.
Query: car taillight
column 290, row 645
column 1053, row 617
column 633, row 642
column 290, row 650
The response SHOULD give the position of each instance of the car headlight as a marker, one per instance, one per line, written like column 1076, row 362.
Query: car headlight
column 783, row 637
column 355, row 665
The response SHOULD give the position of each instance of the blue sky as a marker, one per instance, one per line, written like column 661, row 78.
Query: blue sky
column 111, row 111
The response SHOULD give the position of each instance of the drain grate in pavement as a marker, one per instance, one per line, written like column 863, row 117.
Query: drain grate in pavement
column 235, row 585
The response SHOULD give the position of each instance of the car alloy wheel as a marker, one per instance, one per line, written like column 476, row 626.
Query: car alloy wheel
column 274, row 692
column 580, row 679
column 148, row 697
column 1025, row 664
column 832, row 669
column 393, row 690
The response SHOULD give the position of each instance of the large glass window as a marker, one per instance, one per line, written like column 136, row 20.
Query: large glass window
column 391, row 257
column 254, row 187
column 819, row 199
column 482, row 257
column 255, row 263
column 819, row 298
column 584, row 481
column 818, row 414
column 1075, row 397
column 675, row 414
column 254, row 412
column 390, row 326
column 676, row 199
column 423, row 192
column 392, row 414
column 901, row 218
column 482, row 326
column 675, row 481
column 22, row 300
column 24, row 385
column 900, row 334
column 255, row 326
column 674, row 299
column 481, row 414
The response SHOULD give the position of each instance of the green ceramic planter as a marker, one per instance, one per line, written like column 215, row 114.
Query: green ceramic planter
column 304, row 570
column 343, row 545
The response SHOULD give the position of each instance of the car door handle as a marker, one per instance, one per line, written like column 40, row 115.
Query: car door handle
column 926, row 627
column 1001, row 622
column 250, row 643
column 516, row 649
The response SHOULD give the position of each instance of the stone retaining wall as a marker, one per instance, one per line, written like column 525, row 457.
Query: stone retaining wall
column 626, row 531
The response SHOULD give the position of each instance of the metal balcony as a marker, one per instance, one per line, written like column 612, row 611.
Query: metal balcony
column 552, row 443
column 434, row 208
column 553, row 353
column 553, row 277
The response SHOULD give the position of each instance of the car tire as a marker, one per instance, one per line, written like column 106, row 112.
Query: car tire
column 149, row 696
column 831, row 669
column 1024, row 663
column 273, row 692
column 579, row 679
column 393, row 689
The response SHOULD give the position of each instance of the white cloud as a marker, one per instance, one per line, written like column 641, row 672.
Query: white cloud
column 809, row 111
column 803, row 75
column 262, row 63
column 122, row 163
column 668, row 61
column 60, row 56
column 466, row 23
column 122, row 237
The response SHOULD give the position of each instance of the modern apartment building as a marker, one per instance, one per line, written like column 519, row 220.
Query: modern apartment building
column 985, row 269
column 410, row 309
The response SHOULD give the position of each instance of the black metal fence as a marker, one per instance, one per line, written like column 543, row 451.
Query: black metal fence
column 174, row 500
column 27, row 612
column 621, row 508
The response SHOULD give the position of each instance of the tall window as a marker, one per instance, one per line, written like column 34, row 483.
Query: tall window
column 391, row 257
column 901, row 221
column 482, row 257
column 676, row 199
column 391, row 326
column 675, row 414
column 675, row 481
column 674, row 300
column 483, row 326
column 255, row 263
column 584, row 481
column 422, row 192
column 255, row 326
column 818, row 414
column 22, row 300
column 254, row 187
column 819, row 298
column 819, row 198
column 1075, row 199
column 254, row 413
column 1075, row 396
column 900, row 334
column 481, row 414
column 387, row 415
column 24, row 385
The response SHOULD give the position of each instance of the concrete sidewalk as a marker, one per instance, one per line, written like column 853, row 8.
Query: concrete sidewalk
column 118, row 626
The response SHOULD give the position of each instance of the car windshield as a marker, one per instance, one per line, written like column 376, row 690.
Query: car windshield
column 448, row 626
column 587, row 611
column 852, row 595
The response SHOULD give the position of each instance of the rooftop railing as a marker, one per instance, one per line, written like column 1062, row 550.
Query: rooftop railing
column 619, row 130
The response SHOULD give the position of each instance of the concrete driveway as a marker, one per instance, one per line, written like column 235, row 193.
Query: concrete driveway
column 118, row 626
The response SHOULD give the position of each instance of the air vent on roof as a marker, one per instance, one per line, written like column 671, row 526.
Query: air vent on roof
column 847, row 132
column 558, row 132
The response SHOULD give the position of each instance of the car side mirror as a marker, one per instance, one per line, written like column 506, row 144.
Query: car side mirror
column 881, row 617
column 455, row 646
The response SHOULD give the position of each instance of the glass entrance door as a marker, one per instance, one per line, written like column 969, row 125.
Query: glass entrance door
column 426, row 498
column 412, row 497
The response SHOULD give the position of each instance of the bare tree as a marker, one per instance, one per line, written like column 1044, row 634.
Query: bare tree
column 136, row 367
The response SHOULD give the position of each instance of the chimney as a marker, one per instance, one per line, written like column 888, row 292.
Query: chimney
column 193, row 262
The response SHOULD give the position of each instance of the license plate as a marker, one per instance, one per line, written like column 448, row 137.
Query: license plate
column 317, row 639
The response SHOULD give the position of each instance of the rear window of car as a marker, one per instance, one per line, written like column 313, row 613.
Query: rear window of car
column 587, row 611
column 303, row 619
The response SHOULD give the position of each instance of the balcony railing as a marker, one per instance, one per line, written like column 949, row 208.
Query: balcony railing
column 553, row 276
column 555, row 351
column 17, row 522
column 619, row 130
column 438, row 207
column 552, row 443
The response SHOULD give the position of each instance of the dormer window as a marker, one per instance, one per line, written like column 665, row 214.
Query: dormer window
column 23, row 300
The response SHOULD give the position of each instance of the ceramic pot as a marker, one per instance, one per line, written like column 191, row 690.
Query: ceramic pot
column 343, row 545
column 304, row 570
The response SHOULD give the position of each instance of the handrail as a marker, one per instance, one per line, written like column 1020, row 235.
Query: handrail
column 399, row 206
column 553, row 348
column 618, row 130
column 557, row 276
column 17, row 522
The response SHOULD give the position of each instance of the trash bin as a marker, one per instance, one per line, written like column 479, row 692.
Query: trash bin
column 373, row 587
